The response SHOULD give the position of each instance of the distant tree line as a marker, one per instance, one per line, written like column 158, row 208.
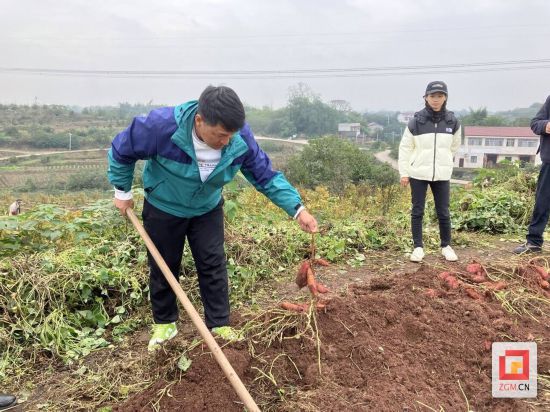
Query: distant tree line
column 55, row 126
column 305, row 115
column 516, row 117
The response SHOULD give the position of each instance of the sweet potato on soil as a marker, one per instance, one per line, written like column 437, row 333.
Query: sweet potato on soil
column 473, row 294
column 542, row 272
column 322, row 262
column 292, row 307
column 295, row 307
column 303, row 307
column 431, row 293
column 495, row 285
column 322, row 288
column 450, row 281
column 301, row 277
column 444, row 275
column 536, row 277
column 474, row 268
column 478, row 278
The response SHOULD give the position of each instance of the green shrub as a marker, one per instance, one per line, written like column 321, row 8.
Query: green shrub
column 336, row 163
column 493, row 211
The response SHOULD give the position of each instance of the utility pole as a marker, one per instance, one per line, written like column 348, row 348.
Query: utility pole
column 70, row 140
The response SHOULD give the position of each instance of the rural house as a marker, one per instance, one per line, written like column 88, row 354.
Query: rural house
column 485, row 146
column 351, row 130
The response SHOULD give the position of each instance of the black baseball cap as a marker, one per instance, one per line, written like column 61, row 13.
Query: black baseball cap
column 436, row 87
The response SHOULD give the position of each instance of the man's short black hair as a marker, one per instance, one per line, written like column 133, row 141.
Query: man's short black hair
column 221, row 105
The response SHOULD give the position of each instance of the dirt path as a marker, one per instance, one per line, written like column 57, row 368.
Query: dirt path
column 274, row 139
column 49, row 153
column 20, row 154
column 2, row 150
column 385, row 157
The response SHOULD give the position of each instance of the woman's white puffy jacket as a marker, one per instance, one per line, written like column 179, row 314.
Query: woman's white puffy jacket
column 427, row 148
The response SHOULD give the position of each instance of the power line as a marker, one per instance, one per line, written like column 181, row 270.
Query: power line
column 474, row 67
column 219, row 44
column 232, row 35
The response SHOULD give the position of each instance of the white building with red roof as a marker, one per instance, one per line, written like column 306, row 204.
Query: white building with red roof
column 485, row 146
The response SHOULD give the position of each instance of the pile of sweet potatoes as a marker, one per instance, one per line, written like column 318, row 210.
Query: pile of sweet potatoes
column 535, row 276
column 475, row 274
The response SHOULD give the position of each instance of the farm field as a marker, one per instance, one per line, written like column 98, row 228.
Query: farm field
column 381, row 344
column 50, row 172
column 394, row 336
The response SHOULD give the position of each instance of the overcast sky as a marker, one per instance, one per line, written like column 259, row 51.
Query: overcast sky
column 209, row 36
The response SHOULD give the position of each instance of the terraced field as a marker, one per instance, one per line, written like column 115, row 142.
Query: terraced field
column 47, row 170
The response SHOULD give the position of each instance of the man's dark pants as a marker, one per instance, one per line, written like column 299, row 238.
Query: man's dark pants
column 205, row 235
column 541, row 211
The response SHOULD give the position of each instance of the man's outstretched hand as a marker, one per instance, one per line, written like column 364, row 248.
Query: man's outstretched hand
column 307, row 222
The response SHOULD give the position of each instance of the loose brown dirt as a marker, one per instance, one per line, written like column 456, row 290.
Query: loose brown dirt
column 385, row 343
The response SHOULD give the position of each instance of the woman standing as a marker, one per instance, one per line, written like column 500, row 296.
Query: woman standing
column 426, row 152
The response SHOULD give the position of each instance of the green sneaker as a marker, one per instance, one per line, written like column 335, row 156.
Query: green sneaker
column 228, row 334
column 161, row 333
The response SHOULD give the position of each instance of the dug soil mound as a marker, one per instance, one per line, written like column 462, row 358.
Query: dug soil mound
column 399, row 344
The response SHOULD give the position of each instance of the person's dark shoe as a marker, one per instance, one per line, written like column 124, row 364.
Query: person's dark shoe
column 527, row 248
column 7, row 400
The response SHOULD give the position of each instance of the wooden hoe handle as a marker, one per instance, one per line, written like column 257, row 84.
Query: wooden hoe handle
column 227, row 369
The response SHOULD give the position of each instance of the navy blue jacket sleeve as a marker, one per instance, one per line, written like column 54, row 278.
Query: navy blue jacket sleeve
column 138, row 142
column 258, row 170
column 539, row 122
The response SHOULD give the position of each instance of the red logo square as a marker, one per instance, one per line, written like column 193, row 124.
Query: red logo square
column 523, row 375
